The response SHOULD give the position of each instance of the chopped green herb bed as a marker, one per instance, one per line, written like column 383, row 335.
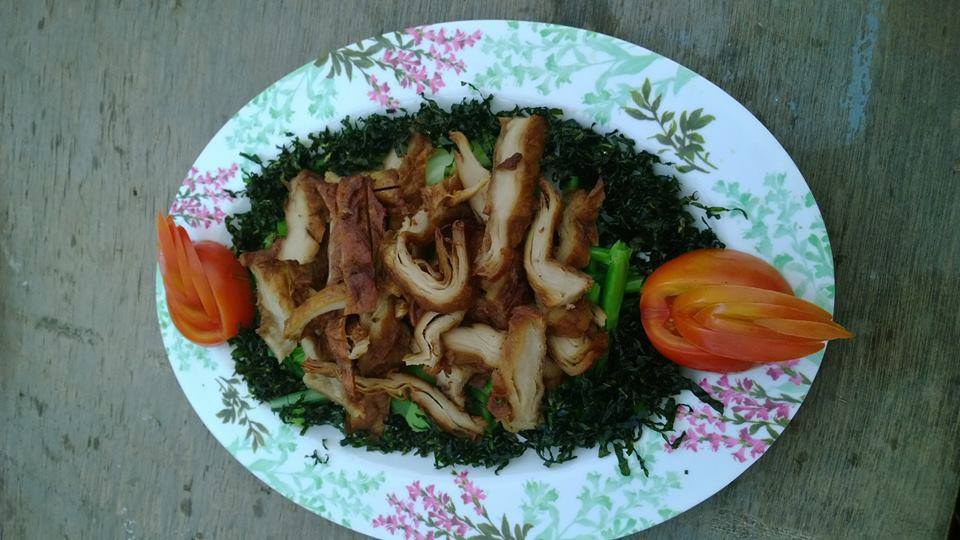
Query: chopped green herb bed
column 645, row 214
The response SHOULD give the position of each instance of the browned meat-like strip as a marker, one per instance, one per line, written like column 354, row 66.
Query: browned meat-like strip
column 280, row 286
column 374, row 409
column 554, row 284
column 445, row 291
column 570, row 320
column 471, row 174
column 442, row 204
column 477, row 344
column 510, row 194
column 366, row 412
column 358, row 228
column 306, row 218
column 338, row 345
column 578, row 226
column 324, row 301
column 518, row 381
column 328, row 192
column 427, row 345
column 444, row 412
column 412, row 172
column 453, row 382
column 552, row 374
column 575, row 355
column 502, row 294
column 389, row 339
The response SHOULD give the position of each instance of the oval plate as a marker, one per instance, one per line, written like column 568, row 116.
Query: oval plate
column 718, row 150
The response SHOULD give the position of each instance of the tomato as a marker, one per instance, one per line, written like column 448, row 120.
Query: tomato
column 230, row 284
column 700, row 267
column 209, row 294
column 723, row 310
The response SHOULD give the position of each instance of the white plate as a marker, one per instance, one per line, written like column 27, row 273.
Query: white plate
column 734, row 161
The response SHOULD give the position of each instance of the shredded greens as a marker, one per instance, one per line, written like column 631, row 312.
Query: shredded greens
column 644, row 222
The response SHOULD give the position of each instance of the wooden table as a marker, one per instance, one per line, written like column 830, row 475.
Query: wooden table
column 104, row 107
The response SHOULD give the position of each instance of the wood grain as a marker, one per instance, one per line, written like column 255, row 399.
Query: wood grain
column 104, row 105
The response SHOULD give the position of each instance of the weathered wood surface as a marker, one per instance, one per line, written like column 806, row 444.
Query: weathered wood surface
column 104, row 106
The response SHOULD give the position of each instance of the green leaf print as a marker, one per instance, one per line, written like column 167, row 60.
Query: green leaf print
column 779, row 234
column 612, row 505
column 566, row 53
column 681, row 134
column 334, row 493
column 270, row 113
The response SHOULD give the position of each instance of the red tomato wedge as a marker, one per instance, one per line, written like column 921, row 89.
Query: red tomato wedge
column 723, row 310
column 741, row 346
column 208, row 291
column 198, row 276
column 230, row 286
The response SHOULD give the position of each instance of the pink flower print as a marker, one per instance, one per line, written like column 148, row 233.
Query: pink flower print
column 715, row 440
column 797, row 379
column 430, row 500
column 775, row 371
column 751, row 409
column 740, row 455
column 461, row 40
column 379, row 93
column 197, row 202
column 782, row 410
column 471, row 494
column 388, row 522
column 747, row 440
column 415, row 76
column 416, row 34
column 450, row 523
column 413, row 490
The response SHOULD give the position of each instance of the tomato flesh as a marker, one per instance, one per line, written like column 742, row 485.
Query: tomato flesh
column 230, row 285
column 724, row 310
column 209, row 294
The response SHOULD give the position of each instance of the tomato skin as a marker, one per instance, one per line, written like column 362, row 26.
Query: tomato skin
column 748, row 348
column 700, row 267
column 681, row 351
column 199, row 332
column 208, row 291
column 723, row 310
column 231, row 286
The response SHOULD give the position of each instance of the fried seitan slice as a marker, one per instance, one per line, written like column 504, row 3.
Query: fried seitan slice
column 510, row 200
column 553, row 283
column 445, row 290
column 306, row 218
column 518, row 381
column 578, row 226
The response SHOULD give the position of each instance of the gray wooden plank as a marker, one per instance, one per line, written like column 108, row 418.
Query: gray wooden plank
column 104, row 105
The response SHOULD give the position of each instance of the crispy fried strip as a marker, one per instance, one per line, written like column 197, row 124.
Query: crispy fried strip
column 510, row 194
column 471, row 174
column 575, row 355
column 306, row 218
column 554, row 284
column 427, row 346
column 328, row 299
column 578, row 226
column 475, row 344
column 518, row 381
column 447, row 293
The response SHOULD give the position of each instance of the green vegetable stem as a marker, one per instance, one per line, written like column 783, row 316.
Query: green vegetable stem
column 601, row 255
column 614, row 286
column 303, row 396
